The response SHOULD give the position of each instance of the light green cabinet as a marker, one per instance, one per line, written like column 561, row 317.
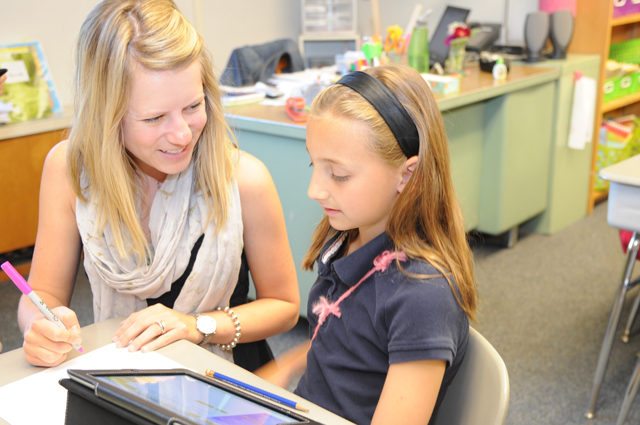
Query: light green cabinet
column 569, row 169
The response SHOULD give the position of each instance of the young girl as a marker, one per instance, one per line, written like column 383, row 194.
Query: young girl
column 389, row 313
column 168, row 214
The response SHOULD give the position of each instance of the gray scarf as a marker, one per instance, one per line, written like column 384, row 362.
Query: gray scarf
column 177, row 219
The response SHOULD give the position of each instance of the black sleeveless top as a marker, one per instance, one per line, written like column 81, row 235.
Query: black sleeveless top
column 250, row 355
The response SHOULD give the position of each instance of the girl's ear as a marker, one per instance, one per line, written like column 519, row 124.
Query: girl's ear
column 407, row 171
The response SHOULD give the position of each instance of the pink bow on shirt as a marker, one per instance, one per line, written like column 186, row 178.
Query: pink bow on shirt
column 323, row 308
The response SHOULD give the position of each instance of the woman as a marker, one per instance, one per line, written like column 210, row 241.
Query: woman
column 163, row 207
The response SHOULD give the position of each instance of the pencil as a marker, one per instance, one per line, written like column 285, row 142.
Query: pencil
column 243, row 385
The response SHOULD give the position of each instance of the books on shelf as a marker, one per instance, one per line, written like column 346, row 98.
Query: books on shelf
column 29, row 92
column 619, row 140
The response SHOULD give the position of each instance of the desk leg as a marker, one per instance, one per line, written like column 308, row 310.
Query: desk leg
column 614, row 318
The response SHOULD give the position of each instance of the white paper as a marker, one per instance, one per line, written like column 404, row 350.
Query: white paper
column 582, row 113
column 40, row 399
column 16, row 72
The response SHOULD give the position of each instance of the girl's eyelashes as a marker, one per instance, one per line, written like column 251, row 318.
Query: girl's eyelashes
column 335, row 177
column 339, row 178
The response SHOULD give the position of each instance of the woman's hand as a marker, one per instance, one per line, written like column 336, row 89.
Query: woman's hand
column 2, row 80
column 154, row 327
column 46, row 344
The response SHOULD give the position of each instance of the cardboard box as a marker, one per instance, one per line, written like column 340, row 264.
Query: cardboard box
column 442, row 84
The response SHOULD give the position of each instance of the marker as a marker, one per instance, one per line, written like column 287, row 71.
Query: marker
column 24, row 287
column 243, row 385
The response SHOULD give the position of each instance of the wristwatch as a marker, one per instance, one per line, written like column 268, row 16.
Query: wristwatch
column 206, row 325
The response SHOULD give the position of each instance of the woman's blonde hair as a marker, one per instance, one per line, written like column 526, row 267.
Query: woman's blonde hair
column 117, row 35
column 425, row 221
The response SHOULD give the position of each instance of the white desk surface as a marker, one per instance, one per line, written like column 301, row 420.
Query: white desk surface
column 624, row 172
column 14, row 366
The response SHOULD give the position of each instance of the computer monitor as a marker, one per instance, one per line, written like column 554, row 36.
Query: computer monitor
column 438, row 50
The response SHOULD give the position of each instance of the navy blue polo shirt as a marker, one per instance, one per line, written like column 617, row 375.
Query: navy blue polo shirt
column 390, row 318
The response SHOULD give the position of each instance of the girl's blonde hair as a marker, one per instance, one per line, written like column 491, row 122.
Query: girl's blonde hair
column 116, row 36
column 425, row 221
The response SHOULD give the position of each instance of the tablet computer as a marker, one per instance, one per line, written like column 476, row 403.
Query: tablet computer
column 181, row 396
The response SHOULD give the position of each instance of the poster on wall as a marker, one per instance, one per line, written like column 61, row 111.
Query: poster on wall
column 29, row 92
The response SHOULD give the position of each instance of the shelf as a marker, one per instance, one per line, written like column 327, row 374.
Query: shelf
column 621, row 102
column 625, row 20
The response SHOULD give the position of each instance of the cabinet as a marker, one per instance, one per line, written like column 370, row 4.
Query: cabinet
column 23, row 148
column 22, row 159
column 596, row 28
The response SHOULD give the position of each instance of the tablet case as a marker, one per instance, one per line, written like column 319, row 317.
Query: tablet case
column 83, row 407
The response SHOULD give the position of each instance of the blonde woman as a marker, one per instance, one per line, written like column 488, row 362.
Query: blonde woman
column 165, row 211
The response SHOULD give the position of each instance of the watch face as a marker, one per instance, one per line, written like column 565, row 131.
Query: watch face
column 206, row 325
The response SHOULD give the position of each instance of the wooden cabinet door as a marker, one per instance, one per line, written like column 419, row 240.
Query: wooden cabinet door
column 21, row 161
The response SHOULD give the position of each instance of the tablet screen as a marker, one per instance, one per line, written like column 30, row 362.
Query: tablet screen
column 196, row 400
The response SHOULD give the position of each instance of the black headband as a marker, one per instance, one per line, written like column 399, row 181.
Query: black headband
column 389, row 108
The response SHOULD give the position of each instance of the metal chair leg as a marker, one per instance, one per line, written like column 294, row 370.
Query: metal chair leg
column 614, row 318
column 630, row 394
column 632, row 314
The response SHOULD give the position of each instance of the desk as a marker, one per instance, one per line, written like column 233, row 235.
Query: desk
column 624, row 213
column 505, row 138
column 14, row 366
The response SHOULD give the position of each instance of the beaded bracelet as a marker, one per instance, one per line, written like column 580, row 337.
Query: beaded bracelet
column 236, row 322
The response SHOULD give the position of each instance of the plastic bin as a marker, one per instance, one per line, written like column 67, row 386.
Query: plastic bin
column 619, row 86
column 328, row 16
column 627, row 51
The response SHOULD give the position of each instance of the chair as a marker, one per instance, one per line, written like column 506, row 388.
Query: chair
column 625, row 238
column 479, row 393
column 630, row 394
column 634, row 382
column 633, row 249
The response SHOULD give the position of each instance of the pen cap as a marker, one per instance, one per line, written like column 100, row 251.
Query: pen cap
column 16, row 278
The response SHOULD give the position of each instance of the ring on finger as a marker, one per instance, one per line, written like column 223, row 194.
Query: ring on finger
column 162, row 326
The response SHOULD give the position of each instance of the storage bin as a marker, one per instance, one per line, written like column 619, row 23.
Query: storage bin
column 627, row 51
column 625, row 7
column 611, row 150
column 328, row 16
column 619, row 86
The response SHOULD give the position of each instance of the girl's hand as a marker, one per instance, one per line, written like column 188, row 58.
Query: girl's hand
column 286, row 367
column 277, row 373
column 154, row 327
column 46, row 344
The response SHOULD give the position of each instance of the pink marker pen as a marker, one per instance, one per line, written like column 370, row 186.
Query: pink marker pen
column 24, row 287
